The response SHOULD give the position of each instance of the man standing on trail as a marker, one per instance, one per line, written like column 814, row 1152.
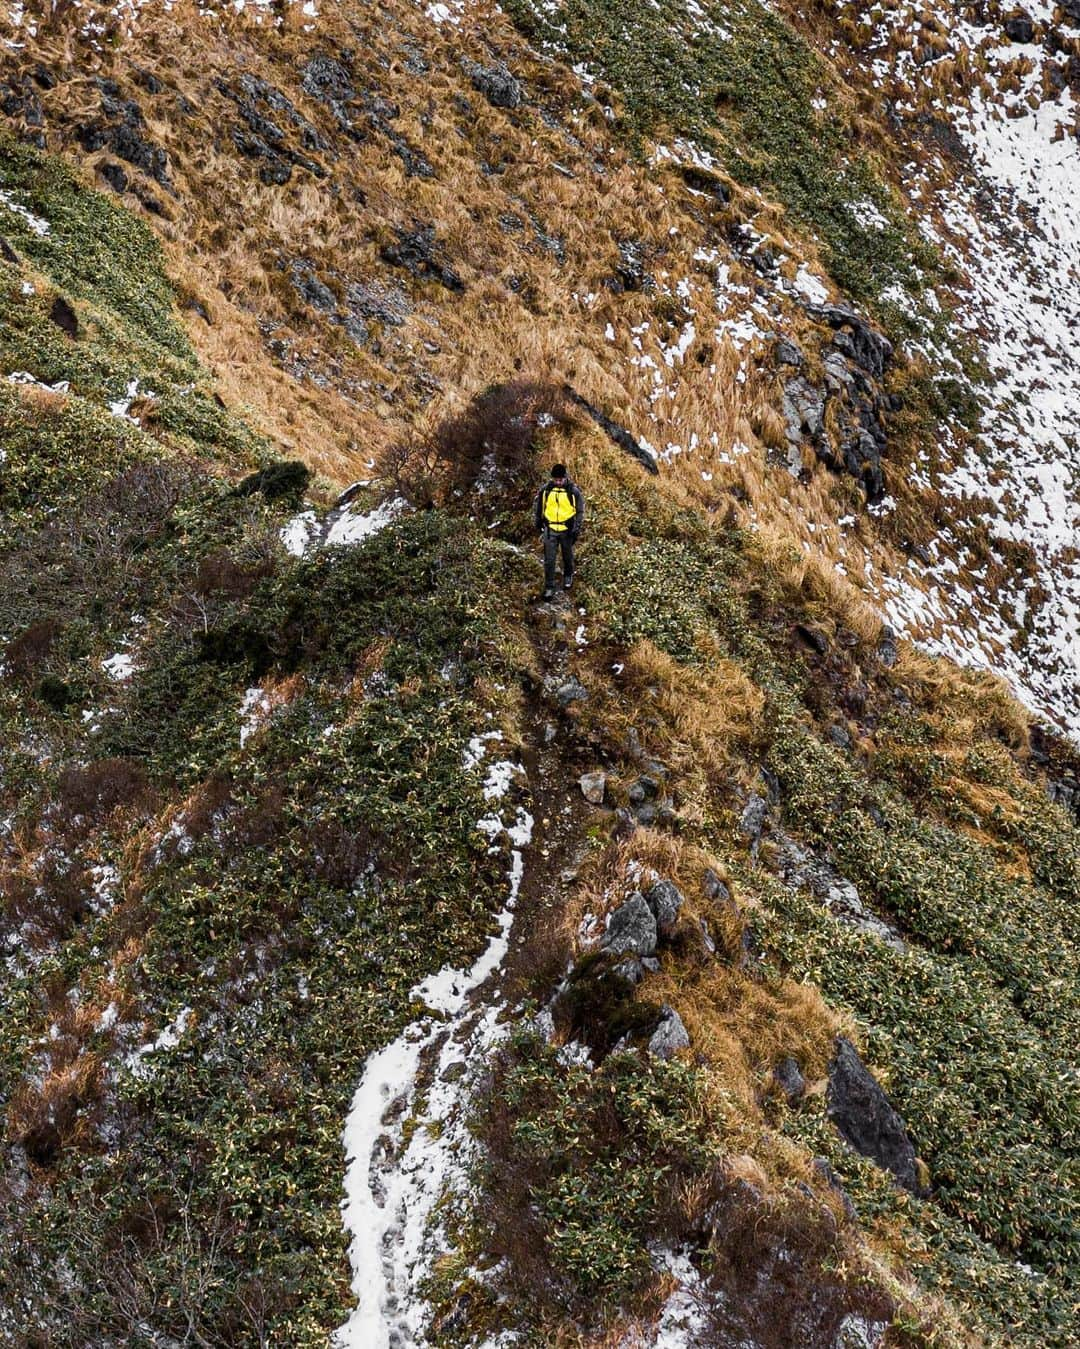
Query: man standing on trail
column 560, row 513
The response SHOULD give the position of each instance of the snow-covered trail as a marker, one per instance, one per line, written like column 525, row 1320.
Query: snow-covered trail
column 392, row 1185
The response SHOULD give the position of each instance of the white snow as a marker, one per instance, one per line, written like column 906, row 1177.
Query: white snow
column 120, row 666
column 36, row 223
column 390, row 1199
column 296, row 535
column 350, row 528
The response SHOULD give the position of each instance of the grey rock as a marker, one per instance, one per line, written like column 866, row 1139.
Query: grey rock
column 860, row 1332
column 625, row 824
column 593, row 786
column 714, row 887
column 651, row 964
column 839, row 735
column 631, row 970
column 888, row 652
column 865, row 1117
column 636, row 794
column 871, row 349
column 1020, row 28
column 670, row 1036
column 630, row 272
column 543, row 1023
column 631, row 928
column 496, row 83
column 665, row 900
column 417, row 253
column 821, row 1168
column 752, row 820
column 790, row 1080
column 646, row 814
column 788, row 353
column 310, row 289
column 706, row 938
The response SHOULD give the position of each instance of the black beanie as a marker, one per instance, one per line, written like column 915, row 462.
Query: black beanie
column 559, row 471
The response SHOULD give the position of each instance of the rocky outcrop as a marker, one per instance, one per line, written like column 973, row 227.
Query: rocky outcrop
column 665, row 901
column 865, row 1118
column 418, row 254
column 855, row 363
column 670, row 1035
column 496, row 83
column 121, row 129
column 631, row 928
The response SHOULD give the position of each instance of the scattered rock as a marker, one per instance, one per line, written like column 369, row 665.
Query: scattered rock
column 123, row 131
column 631, row 928
column 377, row 301
column 646, row 814
column 665, row 900
column 1020, row 28
column 670, row 1036
column 632, row 970
column 543, row 1023
column 788, row 353
column 114, row 175
column 814, row 638
column 714, row 887
column 752, row 820
column 862, row 1113
column 7, row 252
column 496, row 83
column 64, row 316
column 859, row 1332
column 630, row 271
column 593, row 786
column 824, row 1171
column 790, row 1080
column 416, row 252
column 625, row 824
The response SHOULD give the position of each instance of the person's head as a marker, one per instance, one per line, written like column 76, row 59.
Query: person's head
column 558, row 473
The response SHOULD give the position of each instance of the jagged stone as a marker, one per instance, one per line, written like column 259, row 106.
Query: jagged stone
column 670, row 1036
column 632, row 970
column 593, row 786
column 871, row 350
column 415, row 251
column 752, row 820
column 790, row 1080
column 64, row 316
column 865, row 1118
column 631, row 928
column 496, row 83
column 665, row 900
column 310, row 289
column 788, row 353
column 714, row 887
column 1020, row 28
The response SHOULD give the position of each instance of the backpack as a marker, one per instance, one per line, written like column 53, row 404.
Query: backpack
column 558, row 507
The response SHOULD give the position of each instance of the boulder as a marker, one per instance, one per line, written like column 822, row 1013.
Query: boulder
column 788, row 353
column 664, row 900
column 865, row 1118
column 417, row 252
column 670, row 1035
column 788, row 1077
column 563, row 692
column 1020, row 27
column 714, row 887
column 593, row 786
column 870, row 349
column 64, row 316
column 631, row 929
column 496, row 83
column 753, row 820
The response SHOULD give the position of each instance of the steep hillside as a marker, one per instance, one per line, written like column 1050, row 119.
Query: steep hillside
column 393, row 958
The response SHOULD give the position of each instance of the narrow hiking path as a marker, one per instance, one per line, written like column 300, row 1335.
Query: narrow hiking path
column 406, row 1136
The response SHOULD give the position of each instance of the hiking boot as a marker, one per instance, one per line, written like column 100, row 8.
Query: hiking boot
column 568, row 581
column 548, row 595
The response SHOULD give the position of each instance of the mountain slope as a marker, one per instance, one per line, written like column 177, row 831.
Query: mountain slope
column 291, row 815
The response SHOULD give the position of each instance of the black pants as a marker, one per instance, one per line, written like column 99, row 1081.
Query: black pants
column 554, row 543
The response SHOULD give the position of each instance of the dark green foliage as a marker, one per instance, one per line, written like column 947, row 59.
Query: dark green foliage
column 55, row 693
column 583, row 1169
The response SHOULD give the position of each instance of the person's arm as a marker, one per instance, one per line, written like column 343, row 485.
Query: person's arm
column 538, row 510
column 579, row 511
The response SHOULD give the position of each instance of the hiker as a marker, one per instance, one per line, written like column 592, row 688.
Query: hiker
column 560, row 513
